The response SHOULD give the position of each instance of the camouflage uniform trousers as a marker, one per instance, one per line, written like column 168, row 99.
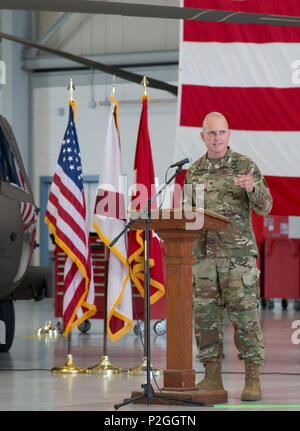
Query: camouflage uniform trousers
column 233, row 282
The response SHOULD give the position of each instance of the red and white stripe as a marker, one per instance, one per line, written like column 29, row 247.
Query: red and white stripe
column 66, row 216
column 249, row 73
column 27, row 209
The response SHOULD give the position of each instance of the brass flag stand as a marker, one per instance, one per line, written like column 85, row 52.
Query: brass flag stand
column 104, row 366
column 48, row 330
column 141, row 369
column 69, row 367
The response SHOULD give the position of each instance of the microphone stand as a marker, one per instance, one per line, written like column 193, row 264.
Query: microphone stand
column 144, row 213
column 148, row 392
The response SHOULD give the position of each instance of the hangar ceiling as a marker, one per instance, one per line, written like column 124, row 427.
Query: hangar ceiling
column 82, row 11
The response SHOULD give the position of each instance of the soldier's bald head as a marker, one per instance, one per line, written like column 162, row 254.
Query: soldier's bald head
column 213, row 115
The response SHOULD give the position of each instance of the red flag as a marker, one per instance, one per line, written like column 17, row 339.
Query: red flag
column 145, row 187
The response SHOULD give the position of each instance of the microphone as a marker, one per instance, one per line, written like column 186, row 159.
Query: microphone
column 182, row 162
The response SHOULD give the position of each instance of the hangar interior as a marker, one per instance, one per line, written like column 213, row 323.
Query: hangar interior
column 34, row 100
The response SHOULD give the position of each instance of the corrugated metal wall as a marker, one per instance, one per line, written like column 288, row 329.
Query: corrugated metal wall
column 93, row 34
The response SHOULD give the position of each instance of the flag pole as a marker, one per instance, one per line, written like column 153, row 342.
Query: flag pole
column 69, row 367
column 142, row 368
column 113, row 90
column 106, row 263
column 104, row 366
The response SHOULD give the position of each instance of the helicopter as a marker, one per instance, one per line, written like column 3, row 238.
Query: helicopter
column 18, row 218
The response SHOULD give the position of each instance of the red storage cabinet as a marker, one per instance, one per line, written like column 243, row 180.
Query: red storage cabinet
column 281, row 268
column 266, row 229
column 276, row 226
column 157, row 310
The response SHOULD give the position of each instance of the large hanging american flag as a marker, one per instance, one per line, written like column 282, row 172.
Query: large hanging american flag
column 66, row 218
column 250, row 73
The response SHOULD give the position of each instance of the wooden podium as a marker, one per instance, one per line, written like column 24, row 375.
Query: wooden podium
column 179, row 228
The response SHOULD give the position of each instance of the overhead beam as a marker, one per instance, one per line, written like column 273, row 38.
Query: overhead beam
column 150, row 11
column 58, row 23
column 127, row 59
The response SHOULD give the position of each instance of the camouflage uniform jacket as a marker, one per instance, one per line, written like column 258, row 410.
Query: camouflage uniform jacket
column 221, row 196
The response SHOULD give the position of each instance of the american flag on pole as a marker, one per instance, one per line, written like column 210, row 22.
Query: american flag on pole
column 250, row 73
column 66, row 218
column 109, row 221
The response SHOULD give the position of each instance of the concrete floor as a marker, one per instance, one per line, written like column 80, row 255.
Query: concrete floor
column 27, row 383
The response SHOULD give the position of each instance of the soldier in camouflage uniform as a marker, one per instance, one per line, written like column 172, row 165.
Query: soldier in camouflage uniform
column 225, row 271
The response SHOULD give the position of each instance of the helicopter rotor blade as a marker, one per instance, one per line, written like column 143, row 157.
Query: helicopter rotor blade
column 151, row 11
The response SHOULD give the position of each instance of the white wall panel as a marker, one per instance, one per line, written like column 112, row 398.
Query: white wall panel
column 92, row 34
column 43, row 21
column 113, row 38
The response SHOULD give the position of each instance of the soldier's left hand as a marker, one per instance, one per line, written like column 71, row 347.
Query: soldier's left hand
column 245, row 181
